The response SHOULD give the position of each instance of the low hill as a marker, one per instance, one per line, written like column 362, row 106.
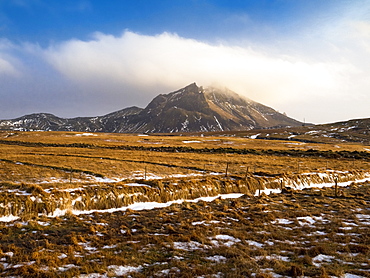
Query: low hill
column 352, row 131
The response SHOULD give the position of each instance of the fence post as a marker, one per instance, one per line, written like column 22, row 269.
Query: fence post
column 227, row 169
column 70, row 176
column 259, row 189
column 246, row 173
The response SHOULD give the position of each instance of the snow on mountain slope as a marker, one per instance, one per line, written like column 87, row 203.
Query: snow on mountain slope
column 190, row 109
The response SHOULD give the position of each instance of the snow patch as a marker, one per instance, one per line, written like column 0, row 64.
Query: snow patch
column 254, row 136
column 137, row 184
column 8, row 218
column 307, row 220
column 226, row 240
column 319, row 259
column 218, row 123
column 216, row 259
column 282, row 221
column 121, row 270
column 145, row 205
column 254, row 243
column 349, row 275
column 86, row 134
column 188, row 246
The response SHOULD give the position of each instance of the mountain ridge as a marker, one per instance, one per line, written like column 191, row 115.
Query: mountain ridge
column 190, row 109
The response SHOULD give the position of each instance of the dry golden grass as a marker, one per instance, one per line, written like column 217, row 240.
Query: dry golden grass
column 45, row 171
column 228, row 238
column 67, row 166
column 116, row 139
column 46, row 162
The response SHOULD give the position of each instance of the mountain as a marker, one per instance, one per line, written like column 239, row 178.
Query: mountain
column 49, row 122
column 357, row 130
column 191, row 109
column 351, row 131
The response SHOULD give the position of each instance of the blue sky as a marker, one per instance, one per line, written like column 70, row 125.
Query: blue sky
column 44, row 22
column 308, row 58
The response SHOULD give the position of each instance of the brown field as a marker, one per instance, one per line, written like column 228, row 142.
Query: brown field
column 52, row 182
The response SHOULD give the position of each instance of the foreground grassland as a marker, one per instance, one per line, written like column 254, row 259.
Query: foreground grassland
column 71, row 206
column 309, row 232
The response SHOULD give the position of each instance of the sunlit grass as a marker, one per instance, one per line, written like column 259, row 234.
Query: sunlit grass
column 43, row 172
column 120, row 163
column 280, row 234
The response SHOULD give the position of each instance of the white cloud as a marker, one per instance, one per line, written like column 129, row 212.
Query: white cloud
column 322, row 76
column 7, row 68
column 171, row 61
column 8, row 62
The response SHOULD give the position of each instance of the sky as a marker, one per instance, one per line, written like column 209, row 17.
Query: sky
column 307, row 58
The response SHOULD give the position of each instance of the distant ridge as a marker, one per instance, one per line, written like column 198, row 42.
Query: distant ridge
column 190, row 109
column 351, row 131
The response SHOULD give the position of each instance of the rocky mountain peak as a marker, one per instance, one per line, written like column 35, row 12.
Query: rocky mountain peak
column 190, row 109
column 189, row 98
